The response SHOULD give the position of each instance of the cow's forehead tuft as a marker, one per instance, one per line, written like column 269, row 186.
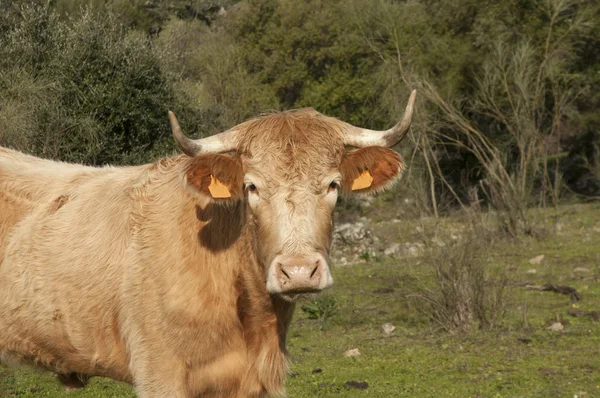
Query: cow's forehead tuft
column 303, row 130
column 293, row 142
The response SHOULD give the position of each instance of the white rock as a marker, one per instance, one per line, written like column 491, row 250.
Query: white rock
column 414, row 249
column 352, row 233
column 366, row 202
column 537, row 259
column 532, row 271
column 388, row 329
column 556, row 327
column 354, row 352
column 393, row 249
column 438, row 242
column 582, row 270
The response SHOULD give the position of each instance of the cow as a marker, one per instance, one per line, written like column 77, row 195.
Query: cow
column 181, row 276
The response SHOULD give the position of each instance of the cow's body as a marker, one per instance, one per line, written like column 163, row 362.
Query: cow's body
column 164, row 308
column 178, row 276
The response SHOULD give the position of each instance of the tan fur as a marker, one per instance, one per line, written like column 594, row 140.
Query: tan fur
column 138, row 274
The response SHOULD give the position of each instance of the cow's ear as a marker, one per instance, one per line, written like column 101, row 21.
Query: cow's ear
column 218, row 177
column 370, row 169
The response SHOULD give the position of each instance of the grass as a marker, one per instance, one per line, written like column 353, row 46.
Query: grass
column 520, row 358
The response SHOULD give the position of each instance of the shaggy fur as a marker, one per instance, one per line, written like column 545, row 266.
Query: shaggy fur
column 137, row 274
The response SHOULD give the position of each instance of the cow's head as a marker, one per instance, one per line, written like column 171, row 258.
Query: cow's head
column 289, row 168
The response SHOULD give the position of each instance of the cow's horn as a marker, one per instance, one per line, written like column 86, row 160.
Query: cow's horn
column 359, row 137
column 218, row 143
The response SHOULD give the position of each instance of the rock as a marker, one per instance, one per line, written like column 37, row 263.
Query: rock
column 366, row 202
column 556, row 327
column 532, row 271
column 438, row 242
column 384, row 290
column 354, row 241
column 317, row 371
column 414, row 249
column 537, row 260
column 359, row 385
column 582, row 270
column 349, row 233
column 388, row 329
column 352, row 353
column 393, row 249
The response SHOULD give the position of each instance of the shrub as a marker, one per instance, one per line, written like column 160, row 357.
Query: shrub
column 464, row 292
column 323, row 308
column 86, row 90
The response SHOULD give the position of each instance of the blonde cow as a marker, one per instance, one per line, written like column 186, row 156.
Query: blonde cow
column 180, row 276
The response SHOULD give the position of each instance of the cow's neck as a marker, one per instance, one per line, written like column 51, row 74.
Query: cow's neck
column 265, row 318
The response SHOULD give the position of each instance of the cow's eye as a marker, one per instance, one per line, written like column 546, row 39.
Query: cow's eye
column 252, row 188
column 333, row 186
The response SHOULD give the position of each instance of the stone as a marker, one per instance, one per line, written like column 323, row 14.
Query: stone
column 388, row 329
column 414, row 249
column 537, row 260
column 556, row 327
column 352, row 353
column 393, row 249
column 582, row 270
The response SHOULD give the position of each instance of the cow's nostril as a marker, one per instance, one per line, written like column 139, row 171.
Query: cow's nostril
column 283, row 271
column 314, row 271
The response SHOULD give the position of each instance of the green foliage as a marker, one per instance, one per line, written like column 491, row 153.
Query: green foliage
column 93, row 85
column 84, row 90
column 323, row 308
column 306, row 54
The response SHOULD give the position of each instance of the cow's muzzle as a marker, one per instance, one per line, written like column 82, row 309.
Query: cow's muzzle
column 297, row 276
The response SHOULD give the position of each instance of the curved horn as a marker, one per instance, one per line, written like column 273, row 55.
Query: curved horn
column 360, row 137
column 218, row 143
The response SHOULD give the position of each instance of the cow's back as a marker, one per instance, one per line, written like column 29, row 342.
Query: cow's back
column 58, row 217
column 26, row 181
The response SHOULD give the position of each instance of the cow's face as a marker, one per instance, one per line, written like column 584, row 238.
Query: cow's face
column 289, row 169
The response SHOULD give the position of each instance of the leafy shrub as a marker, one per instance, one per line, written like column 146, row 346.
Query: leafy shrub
column 86, row 90
column 323, row 308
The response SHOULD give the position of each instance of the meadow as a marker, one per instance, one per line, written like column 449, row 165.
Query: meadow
column 503, row 168
column 518, row 356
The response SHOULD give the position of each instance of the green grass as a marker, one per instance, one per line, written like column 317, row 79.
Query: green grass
column 520, row 358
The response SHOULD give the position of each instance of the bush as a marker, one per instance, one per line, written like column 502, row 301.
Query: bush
column 86, row 90
column 323, row 308
column 464, row 293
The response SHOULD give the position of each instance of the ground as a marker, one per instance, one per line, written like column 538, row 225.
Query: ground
column 520, row 357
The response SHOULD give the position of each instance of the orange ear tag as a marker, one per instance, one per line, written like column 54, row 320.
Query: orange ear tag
column 217, row 189
column 363, row 181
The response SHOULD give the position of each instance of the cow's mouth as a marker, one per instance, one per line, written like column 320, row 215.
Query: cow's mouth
column 300, row 294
